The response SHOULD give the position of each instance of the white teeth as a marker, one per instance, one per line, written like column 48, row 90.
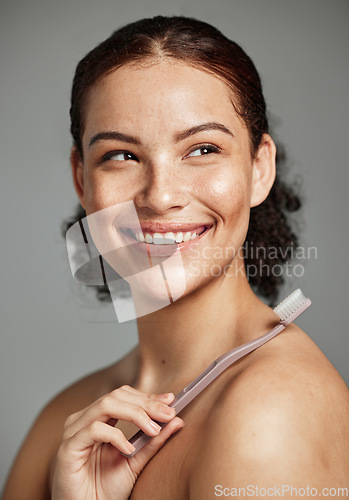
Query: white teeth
column 165, row 239
column 179, row 237
column 170, row 238
column 158, row 239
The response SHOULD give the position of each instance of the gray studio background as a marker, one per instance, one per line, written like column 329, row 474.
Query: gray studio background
column 51, row 333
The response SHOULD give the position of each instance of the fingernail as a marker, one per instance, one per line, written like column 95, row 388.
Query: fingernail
column 181, row 422
column 154, row 427
column 166, row 395
column 130, row 447
column 179, row 426
column 167, row 410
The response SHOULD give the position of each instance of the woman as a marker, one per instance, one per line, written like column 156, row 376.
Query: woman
column 169, row 114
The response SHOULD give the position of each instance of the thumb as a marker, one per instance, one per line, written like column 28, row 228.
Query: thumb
column 142, row 457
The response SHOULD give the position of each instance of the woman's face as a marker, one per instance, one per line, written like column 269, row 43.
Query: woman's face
column 166, row 137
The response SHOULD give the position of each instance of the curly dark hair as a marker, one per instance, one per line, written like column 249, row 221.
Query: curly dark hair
column 204, row 47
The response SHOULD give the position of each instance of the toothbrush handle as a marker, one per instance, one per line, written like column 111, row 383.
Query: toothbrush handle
column 184, row 397
column 190, row 392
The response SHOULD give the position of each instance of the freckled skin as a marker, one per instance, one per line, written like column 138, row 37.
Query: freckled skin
column 165, row 183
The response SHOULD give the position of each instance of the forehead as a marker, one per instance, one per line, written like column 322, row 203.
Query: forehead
column 166, row 94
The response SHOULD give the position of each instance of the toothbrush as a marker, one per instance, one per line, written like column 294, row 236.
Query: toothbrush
column 288, row 310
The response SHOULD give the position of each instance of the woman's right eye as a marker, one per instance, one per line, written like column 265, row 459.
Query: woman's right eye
column 119, row 156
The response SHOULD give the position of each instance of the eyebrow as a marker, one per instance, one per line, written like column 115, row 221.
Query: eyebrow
column 202, row 128
column 113, row 136
column 118, row 136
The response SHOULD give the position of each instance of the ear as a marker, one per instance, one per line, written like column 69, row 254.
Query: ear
column 78, row 173
column 264, row 170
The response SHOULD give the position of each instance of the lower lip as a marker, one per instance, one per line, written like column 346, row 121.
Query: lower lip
column 164, row 250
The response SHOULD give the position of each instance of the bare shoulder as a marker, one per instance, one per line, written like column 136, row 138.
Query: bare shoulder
column 282, row 419
column 30, row 474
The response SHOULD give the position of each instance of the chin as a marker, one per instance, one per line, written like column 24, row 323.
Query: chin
column 165, row 282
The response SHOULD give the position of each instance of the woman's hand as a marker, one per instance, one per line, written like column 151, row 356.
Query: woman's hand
column 89, row 463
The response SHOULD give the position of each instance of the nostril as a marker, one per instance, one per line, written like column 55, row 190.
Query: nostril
column 160, row 203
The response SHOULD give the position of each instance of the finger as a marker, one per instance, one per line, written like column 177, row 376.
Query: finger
column 167, row 397
column 110, row 408
column 124, row 393
column 130, row 389
column 135, row 396
column 74, row 417
column 155, row 405
column 103, row 408
column 142, row 457
column 97, row 432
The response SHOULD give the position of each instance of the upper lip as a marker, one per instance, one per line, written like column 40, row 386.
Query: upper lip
column 169, row 227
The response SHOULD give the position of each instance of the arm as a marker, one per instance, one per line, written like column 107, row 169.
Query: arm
column 30, row 473
column 28, row 478
column 275, row 427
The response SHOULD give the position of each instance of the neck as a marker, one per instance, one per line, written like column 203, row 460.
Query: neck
column 179, row 341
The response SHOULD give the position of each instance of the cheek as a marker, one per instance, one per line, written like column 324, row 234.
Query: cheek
column 100, row 193
column 227, row 196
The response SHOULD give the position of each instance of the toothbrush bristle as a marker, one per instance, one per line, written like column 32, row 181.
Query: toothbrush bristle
column 289, row 305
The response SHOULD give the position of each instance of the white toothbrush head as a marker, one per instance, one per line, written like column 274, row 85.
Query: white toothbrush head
column 291, row 307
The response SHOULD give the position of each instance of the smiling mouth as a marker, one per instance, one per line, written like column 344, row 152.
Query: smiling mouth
column 168, row 238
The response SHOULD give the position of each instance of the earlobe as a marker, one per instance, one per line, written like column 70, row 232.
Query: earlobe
column 264, row 171
column 78, row 174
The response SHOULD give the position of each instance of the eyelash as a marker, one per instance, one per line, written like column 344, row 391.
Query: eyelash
column 109, row 155
column 210, row 147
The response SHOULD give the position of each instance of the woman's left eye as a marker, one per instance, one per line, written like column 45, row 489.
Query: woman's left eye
column 119, row 156
column 204, row 150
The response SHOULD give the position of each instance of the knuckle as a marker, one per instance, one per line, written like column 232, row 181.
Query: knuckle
column 157, row 406
column 138, row 415
column 94, row 428
column 148, row 402
column 139, row 411
column 106, row 404
column 117, row 392
column 118, row 432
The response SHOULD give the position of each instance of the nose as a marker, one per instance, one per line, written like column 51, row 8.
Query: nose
column 162, row 189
